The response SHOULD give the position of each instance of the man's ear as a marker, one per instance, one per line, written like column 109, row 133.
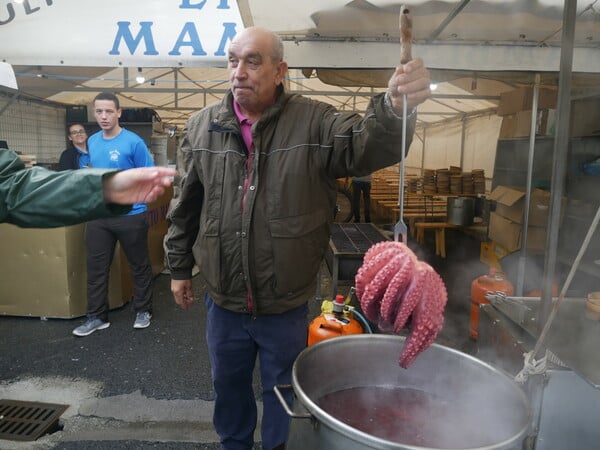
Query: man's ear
column 282, row 69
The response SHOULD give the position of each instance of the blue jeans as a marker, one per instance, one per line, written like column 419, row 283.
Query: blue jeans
column 234, row 341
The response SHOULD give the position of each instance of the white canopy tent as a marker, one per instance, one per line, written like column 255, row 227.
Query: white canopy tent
column 476, row 49
column 340, row 52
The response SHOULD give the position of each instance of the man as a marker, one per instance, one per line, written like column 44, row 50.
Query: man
column 76, row 156
column 116, row 147
column 361, row 185
column 254, row 210
column 41, row 198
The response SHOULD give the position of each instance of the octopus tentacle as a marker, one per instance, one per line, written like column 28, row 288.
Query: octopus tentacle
column 396, row 290
column 373, row 293
column 411, row 298
column 428, row 319
column 374, row 260
column 392, row 286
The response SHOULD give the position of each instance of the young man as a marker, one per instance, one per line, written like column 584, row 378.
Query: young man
column 76, row 156
column 116, row 148
column 255, row 208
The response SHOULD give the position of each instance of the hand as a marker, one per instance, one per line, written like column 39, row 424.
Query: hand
column 182, row 292
column 140, row 185
column 411, row 79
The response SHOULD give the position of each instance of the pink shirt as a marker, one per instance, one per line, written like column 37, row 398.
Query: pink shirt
column 245, row 126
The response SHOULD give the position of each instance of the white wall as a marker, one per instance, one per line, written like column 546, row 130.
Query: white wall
column 443, row 146
column 469, row 144
column 481, row 140
column 33, row 128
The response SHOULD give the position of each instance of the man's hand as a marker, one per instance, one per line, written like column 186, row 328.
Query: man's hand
column 411, row 79
column 140, row 185
column 182, row 292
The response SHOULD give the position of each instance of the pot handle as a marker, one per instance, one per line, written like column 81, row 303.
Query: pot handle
column 277, row 388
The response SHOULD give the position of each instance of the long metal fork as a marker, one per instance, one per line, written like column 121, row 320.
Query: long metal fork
column 405, row 26
column 400, row 228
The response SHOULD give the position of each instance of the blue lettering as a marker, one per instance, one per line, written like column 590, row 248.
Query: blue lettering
column 124, row 33
column 11, row 14
column 28, row 8
column 186, row 4
column 189, row 29
column 228, row 35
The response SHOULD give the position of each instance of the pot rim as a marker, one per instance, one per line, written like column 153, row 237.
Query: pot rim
column 383, row 444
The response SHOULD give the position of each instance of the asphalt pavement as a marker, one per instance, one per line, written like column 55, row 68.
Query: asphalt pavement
column 151, row 388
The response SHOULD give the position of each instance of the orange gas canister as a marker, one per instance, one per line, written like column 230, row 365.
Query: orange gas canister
column 493, row 282
column 334, row 321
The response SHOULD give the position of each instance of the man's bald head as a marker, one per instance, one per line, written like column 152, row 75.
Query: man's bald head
column 267, row 37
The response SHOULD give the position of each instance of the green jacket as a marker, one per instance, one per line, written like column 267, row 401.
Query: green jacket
column 41, row 198
column 270, row 237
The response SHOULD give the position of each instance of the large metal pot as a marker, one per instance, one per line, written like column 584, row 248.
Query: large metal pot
column 461, row 210
column 459, row 381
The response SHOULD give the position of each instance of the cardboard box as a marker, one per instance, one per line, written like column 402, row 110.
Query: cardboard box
column 509, row 234
column 44, row 273
column 510, row 204
column 504, row 232
column 536, row 238
column 157, row 218
column 539, row 208
column 521, row 99
column 519, row 124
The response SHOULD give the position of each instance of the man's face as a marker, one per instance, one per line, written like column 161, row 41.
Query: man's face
column 253, row 75
column 77, row 135
column 107, row 114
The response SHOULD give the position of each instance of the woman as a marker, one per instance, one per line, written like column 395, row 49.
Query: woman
column 76, row 156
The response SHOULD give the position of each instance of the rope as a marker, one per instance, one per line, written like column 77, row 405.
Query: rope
column 531, row 366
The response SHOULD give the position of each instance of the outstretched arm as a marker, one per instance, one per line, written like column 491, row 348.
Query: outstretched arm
column 140, row 185
column 41, row 198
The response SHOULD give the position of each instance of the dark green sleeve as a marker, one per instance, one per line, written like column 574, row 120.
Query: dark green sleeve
column 41, row 198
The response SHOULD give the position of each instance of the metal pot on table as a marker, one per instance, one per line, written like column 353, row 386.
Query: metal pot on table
column 461, row 210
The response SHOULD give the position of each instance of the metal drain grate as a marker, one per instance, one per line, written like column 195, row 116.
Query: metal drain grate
column 27, row 421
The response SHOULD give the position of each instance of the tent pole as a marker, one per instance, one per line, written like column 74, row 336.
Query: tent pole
column 559, row 162
column 535, row 387
column 523, row 255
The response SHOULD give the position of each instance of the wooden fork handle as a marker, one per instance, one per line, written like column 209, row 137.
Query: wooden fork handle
column 405, row 34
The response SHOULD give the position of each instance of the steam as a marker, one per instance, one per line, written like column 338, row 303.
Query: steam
column 446, row 399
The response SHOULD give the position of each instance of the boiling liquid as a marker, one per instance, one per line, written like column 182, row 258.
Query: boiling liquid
column 410, row 417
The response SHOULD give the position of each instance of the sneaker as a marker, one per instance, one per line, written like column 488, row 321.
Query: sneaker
column 90, row 326
column 142, row 320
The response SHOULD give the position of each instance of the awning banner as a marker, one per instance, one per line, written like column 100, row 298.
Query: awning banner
column 149, row 33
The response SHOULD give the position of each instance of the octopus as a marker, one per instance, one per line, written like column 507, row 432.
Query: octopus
column 394, row 289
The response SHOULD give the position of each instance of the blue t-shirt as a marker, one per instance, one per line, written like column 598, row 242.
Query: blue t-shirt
column 84, row 159
column 125, row 151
